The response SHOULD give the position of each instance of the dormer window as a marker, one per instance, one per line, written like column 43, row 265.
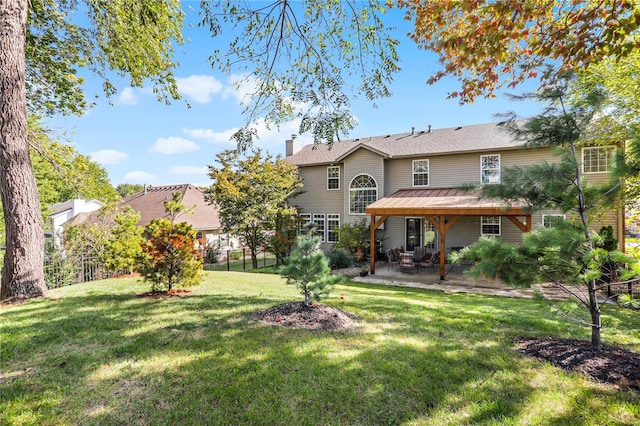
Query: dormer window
column 333, row 178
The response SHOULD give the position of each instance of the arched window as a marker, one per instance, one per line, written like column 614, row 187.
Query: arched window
column 363, row 191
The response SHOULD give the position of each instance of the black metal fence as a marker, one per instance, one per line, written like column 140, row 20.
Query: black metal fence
column 240, row 260
column 631, row 287
column 61, row 270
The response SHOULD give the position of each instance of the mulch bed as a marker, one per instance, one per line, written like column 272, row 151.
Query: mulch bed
column 178, row 292
column 616, row 366
column 316, row 316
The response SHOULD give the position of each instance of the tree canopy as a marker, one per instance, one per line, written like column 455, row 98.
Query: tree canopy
column 251, row 192
column 488, row 44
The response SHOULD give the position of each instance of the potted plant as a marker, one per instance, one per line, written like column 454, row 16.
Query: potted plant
column 363, row 270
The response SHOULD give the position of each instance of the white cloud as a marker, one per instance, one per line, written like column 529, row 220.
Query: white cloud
column 210, row 135
column 173, row 145
column 200, row 88
column 140, row 177
column 269, row 139
column 189, row 170
column 128, row 97
column 108, row 156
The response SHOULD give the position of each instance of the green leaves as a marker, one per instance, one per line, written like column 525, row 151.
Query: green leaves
column 304, row 58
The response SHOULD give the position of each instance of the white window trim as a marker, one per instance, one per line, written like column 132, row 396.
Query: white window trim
column 499, row 169
column 352, row 189
column 413, row 173
column 563, row 216
column 332, row 217
column 610, row 157
column 305, row 219
column 323, row 219
column 499, row 226
column 330, row 178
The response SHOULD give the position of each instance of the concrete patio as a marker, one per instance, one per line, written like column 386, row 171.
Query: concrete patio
column 455, row 282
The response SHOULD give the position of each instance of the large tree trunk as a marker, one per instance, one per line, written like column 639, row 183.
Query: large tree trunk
column 23, row 272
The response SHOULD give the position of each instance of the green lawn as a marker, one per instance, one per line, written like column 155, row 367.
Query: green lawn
column 96, row 353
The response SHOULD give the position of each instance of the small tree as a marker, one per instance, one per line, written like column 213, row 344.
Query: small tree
column 251, row 193
column 354, row 234
column 308, row 269
column 170, row 253
column 124, row 246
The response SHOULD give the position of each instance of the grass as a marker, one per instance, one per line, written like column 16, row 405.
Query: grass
column 96, row 353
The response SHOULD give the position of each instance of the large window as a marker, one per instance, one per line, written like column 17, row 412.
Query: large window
column 303, row 221
column 326, row 225
column 318, row 221
column 598, row 159
column 490, row 225
column 363, row 191
column 333, row 177
column 490, row 169
column 420, row 172
column 333, row 227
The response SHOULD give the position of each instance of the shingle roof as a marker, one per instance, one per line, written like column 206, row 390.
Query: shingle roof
column 150, row 204
column 479, row 137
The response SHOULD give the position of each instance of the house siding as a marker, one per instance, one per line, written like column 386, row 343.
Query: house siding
column 448, row 169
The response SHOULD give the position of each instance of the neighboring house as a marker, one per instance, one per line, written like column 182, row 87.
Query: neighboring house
column 61, row 213
column 150, row 204
column 204, row 218
column 405, row 185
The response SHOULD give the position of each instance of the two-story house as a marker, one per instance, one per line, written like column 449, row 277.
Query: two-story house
column 405, row 185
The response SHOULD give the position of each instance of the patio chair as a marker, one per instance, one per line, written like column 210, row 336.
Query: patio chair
column 429, row 263
column 406, row 262
column 392, row 259
column 419, row 254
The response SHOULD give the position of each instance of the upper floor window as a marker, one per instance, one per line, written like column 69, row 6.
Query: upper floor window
column 333, row 177
column 490, row 225
column 549, row 219
column 420, row 172
column 597, row 159
column 363, row 191
column 490, row 169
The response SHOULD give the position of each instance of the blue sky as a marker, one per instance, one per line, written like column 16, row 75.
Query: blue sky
column 141, row 140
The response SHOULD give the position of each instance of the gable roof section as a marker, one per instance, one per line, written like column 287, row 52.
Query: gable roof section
column 443, row 201
column 150, row 204
column 475, row 138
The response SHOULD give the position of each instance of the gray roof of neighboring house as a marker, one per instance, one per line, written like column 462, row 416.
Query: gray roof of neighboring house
column 474, row 138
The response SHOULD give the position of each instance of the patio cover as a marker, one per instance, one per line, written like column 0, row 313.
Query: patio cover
column 442, row 208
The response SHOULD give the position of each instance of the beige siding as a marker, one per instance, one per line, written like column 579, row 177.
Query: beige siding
column 445, row 171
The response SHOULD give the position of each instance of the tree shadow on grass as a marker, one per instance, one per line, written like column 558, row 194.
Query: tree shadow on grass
column 103, row 359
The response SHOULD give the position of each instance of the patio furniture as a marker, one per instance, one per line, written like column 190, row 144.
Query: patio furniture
column 392, row 259
column 429, row 263
column 419, row 254
column 406, row 262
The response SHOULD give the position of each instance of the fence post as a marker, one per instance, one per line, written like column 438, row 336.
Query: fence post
column 244, row 260
column 228, row 262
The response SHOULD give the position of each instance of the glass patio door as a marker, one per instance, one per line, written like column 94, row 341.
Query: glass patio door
column 413, row 233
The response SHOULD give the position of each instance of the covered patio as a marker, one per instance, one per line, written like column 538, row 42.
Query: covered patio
column 442, row 208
